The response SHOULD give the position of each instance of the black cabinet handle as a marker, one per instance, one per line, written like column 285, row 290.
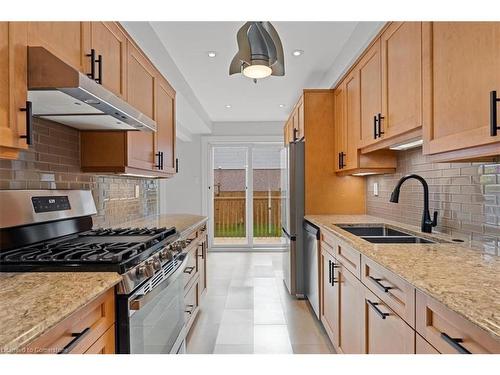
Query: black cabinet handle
column 329, row 271
column 455, row 343
column 191, row 269
column 379, row 124
column 380, row 285
column 295, row 131
column 158, row 155
column 91, row 55
column 77, row 338
column 380, row 313
column 29, row 123
column 342, row 163
column 161, row 160
column 99, row 69
column 375, row 133
column 176, row 165
column 493, row 114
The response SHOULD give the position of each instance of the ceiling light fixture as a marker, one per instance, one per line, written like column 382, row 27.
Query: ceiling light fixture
column 211, row 54
column 282, row 106
column 297, row 52
column 407, row 145
column 228, row 105
column 260, row 52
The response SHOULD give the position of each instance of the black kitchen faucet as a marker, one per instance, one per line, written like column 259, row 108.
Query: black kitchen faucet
column 427, row 223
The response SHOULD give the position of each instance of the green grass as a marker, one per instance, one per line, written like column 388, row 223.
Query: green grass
column 238, row 230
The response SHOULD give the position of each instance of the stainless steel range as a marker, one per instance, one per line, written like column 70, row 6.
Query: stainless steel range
column 51, row 230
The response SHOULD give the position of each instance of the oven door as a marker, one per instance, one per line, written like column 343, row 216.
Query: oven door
column 156, row 315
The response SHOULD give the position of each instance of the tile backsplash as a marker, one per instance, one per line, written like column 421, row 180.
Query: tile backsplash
column 466, row 196
column 53, row 162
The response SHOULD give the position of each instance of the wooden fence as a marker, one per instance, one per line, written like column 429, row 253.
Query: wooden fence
column 230, row 214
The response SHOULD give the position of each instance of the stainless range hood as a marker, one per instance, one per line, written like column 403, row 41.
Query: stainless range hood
column 61, row 93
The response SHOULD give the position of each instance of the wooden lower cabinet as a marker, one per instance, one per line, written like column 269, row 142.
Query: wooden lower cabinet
column 202, row 263
column 329, row 306
column 192, row 303
column 104, row 344
column 89, row 329
column 350, row 294
column 423, row 347
column 384, row 331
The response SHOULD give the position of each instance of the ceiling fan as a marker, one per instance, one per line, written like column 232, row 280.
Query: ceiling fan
column 260, row 52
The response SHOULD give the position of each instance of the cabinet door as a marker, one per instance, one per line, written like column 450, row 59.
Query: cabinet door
column 109, row 41
column 165, row 120
column 329, row 307
column 352, row 120
column 371, row 92
column 461, row 68
column 104, row 344
column 423, row 347
column 300, row 119
column 141, row 81
column 351, row 298
column 402, row 77
column 384, row 331
column 63, row 39
column 13, row 87
column 202, row 265
column 339, row 126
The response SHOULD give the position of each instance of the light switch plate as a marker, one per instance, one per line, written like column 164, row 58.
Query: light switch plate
column 137, row 191
column 375, row 189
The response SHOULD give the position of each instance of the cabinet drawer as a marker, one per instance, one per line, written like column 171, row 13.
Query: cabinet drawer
column 350, row 258
column 448, row 332
column 423, row 347
column 394, row 291
column 385, row 332
column 328, row 248
column 79, row 331
column 104, row 344
column 329, row 239
column 191, row 270
column 192, row 305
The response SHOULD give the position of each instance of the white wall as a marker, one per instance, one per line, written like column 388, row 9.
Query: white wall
column 182, row 193
column 247, row 128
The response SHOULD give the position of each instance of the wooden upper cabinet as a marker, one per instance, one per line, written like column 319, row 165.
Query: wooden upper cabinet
column 371, row 93
column 352, row 121
column 141, row 83
column 300, row 119
column 110, row 42
column 339, row 127
column 165, row 121
column 13, row 87
column 461, row 68
column 401, row 78
column 64, row 39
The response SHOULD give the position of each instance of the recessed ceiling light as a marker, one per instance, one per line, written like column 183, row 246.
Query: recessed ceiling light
column 297, row 52
column 228, row 105
column 211, row 54
column 282, row 106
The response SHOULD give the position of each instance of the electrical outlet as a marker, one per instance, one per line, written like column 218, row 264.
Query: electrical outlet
column 375, row 189
column 137, row 191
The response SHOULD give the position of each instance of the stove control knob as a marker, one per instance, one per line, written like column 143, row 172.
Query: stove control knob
column 156, row 264
column 150, row 268
column 165, row 255
column 140, row 272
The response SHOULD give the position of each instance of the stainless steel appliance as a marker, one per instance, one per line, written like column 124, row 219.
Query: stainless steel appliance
column 51, row 230
column 292, row 216
column 311, row 265
column 59, row 92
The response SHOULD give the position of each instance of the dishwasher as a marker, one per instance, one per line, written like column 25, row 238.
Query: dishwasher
column 311, row 265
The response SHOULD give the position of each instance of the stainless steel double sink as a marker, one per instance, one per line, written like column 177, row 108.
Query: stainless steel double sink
column 380, row 233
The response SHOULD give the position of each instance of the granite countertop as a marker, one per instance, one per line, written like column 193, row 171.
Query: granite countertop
column 31, row 303
column 184, row 223
column 463, row 279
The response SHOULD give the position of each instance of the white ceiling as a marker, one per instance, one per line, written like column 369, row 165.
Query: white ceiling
column 188, row 43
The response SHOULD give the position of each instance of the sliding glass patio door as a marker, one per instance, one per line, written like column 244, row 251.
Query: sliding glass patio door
column 246, row 196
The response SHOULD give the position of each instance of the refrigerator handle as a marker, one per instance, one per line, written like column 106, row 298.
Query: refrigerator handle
column 291, row 238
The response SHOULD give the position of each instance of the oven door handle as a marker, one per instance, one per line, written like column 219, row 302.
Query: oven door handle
column 141, row 300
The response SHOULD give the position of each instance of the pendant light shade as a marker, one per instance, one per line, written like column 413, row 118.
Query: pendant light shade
column 260, row 52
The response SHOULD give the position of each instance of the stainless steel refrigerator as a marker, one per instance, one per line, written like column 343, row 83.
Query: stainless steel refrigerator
column 292, row 216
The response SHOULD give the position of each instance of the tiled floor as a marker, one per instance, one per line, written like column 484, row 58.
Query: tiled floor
column 247, row 310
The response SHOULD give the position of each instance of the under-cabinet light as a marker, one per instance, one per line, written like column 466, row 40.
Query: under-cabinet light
column 363, row 174
column 407, row 145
